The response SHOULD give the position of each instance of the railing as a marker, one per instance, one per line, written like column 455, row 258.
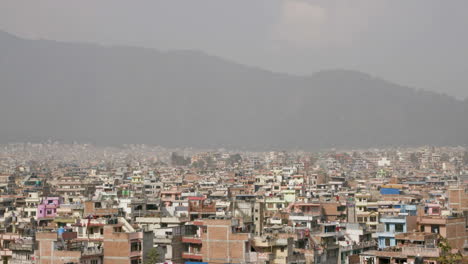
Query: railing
column 432, row 220
column 162, row 239
column 192, row 255
column 361, row 245
column 251, row 257
column 92, row 236
column 267, row 256
column 420, row 251
column 296, row 258
column 91, row 251
column 22, row 246
column 197, row 209
column 5, row 252
column 281, row 242
column 21, row 261
column 192, row 239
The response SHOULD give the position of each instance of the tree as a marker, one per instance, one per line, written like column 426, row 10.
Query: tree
column 445, row 157
column 210, row 162
column 465, row 158
column 446, row 255
column 177, row 160
column 199, row 164
column 153, row 256
column 414, row 158
column 236, row 158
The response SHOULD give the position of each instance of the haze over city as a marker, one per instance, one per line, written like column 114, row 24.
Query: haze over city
column 233, row 132
column 417, row 43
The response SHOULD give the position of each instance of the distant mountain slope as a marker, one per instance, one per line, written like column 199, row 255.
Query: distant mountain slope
column 113, row 95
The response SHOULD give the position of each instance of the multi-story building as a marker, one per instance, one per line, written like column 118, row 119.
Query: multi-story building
column 393, row 225
column 453, row 228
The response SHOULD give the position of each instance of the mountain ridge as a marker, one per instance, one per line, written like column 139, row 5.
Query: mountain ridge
column 116, row 95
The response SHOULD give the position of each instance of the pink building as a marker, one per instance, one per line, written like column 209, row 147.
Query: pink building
column 433, row 209
column 48, row 207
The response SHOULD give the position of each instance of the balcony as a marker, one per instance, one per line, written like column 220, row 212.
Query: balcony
column 199, row 209
column 135, row 253
column 385, row 234
column 265, row 256
column 362, row 203
column 5, row 253
column 95, row 236
column 420, row 251
column 293, row 217
column 192, row 239
column 163, row 239
column 281, row 242
column 432, row 220
column 393, row 219
column 362, row 245
column 92, row 251
column 251, row 257
column 191, row 255
column 21, row 261
column 296, row 258
column 22, row 246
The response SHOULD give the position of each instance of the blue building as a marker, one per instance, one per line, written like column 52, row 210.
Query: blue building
column 407, row 209
column 393, row 225
column 387, row 191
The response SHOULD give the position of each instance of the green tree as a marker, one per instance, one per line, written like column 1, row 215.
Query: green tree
column 465, row 158
column 153, row 256
column 414, row 158
column 446, row 255
column 445, row 157
column 236, row 158
column 199, row 164
column 210, row 162
column 177, row 160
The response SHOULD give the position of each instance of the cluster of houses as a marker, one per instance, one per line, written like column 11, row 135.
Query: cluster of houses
column 137, row 205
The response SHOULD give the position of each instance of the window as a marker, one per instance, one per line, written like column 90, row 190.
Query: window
column 387, row 242
column 373, row 218
column 136, row 261
column 135, row 246
column 399, row 228
column 332, row 253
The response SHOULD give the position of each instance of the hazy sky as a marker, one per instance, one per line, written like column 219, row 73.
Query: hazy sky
column 419, row 43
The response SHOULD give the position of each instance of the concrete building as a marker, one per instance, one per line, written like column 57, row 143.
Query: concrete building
column 122, row 247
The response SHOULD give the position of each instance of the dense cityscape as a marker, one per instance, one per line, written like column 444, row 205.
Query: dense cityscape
column 234, row 132
column 80, row 203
